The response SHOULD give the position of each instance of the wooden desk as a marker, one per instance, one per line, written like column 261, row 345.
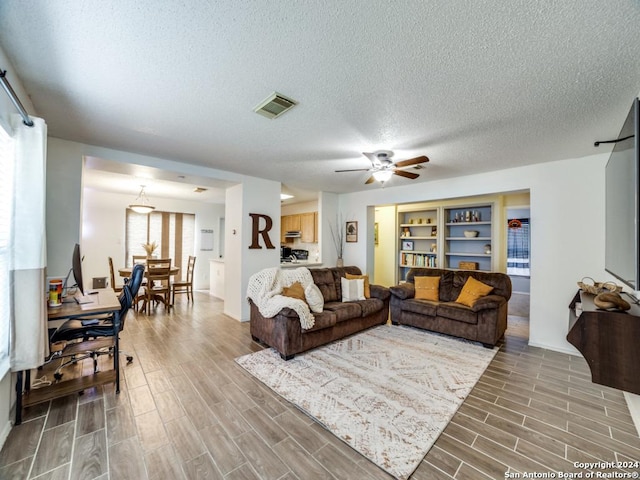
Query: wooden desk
column 104, row 302
column 608, row 340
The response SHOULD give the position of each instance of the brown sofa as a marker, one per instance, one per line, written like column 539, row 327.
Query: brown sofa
column 485, row 322
column 337, row 320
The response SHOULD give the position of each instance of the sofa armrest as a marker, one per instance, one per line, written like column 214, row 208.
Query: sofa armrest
column 403, row 291
column 378, row 291
column 488, row 302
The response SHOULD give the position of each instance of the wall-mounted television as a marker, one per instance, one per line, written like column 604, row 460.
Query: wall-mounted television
column 622, row 203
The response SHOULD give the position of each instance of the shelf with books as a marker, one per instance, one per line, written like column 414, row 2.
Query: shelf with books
column 418, row 259
column 418, row 239
column 468, row 236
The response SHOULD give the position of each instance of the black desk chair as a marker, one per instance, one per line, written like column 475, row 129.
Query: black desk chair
column 103, row 326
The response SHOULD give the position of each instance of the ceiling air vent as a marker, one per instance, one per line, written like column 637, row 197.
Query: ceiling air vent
column 199, row 189
column 274, row 106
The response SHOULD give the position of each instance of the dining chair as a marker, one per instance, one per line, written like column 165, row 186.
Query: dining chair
column 139, row 259
column 158, row 288
column 185, row 286
column 112, row 278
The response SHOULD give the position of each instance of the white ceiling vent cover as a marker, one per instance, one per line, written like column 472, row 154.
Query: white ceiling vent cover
column 275, row 105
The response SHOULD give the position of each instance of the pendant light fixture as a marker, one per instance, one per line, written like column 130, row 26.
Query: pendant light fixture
column 141, row 203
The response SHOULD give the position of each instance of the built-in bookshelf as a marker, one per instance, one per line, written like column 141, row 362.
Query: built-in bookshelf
column 432, row 235
column 468, row 237
column 418, row 240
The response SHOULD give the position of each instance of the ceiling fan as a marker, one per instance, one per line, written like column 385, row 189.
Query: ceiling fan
column 382, row 167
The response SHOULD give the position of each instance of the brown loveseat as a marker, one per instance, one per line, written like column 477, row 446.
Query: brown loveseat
column 337, row 320
column 485, row 322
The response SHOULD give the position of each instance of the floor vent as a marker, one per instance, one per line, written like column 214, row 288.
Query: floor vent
column 274, row 106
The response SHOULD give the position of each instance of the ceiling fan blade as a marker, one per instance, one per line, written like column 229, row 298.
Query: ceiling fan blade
column 411, row 161
column 355, row 170
column 370, row 180
column 406, row 174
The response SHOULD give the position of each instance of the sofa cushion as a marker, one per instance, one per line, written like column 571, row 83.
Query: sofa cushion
column 473, row 290
column 446, row 280
column 323, row 278
column 294, row 291
column 325, row 319
column 352, row 290
column 371, row 306
column 500, row 282
column 427, row 288
column 457, row 311
column 367, row 288
column 344, row 311
column 314, row 298
column 423, row 307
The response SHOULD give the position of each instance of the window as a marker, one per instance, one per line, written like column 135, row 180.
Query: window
column 173, row 232
column 6, row 200
column 518, row 240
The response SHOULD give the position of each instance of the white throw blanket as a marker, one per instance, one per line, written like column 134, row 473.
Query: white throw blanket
column 265, row 289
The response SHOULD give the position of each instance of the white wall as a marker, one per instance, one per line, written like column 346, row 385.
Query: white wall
column 567, row 205
column 252, row 196
column 103, row 232
column 7, row 382
column 385, row 251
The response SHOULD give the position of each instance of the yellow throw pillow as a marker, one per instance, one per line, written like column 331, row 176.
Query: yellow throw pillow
column 367, row 290
column 472, row 291
column 427, row 288
column 294, row 291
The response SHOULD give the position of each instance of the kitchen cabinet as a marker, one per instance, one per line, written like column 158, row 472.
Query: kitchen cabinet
column 289, row 223
column 309, row 227
column 305, row 223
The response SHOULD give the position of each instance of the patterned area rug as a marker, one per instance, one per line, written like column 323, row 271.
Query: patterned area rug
column 387, row 392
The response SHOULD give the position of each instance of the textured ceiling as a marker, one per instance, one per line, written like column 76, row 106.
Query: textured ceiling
column 475, row 86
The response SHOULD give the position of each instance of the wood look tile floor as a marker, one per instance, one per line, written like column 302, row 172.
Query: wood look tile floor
column 187, row 411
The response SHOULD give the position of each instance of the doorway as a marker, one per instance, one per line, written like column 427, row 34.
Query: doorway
column 518, row 269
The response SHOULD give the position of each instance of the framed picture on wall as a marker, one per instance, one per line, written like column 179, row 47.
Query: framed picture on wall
column 352, row 232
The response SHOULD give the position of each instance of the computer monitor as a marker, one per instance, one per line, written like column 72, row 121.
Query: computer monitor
column 76, row 265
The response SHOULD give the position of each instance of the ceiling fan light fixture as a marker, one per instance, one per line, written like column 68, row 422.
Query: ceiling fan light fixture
column 382, row 175
column 141, row 204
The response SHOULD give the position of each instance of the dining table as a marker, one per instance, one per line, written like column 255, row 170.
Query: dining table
column 126, row 273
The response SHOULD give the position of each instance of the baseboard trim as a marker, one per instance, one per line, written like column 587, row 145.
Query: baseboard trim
column 633, row 402
column 5, row 433
column 555, row 348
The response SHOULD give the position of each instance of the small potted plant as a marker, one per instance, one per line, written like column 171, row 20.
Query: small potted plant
column 149, row 248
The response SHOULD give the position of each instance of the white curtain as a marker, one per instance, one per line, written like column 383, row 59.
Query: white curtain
column 29, row 343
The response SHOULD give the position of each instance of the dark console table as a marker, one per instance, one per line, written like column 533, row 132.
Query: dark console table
column 609, row 341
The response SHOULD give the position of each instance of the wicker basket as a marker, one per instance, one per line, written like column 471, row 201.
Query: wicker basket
column 589, row 285
column 468, row 265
